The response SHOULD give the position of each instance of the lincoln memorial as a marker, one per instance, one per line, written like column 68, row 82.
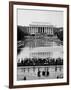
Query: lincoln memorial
column 36, row 28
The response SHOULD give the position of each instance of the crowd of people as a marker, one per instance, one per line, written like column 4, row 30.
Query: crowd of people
column 39, row 61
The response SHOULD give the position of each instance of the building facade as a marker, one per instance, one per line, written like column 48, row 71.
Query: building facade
column 40, row 28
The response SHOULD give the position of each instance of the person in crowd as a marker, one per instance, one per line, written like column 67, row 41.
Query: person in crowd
column 24, row 77
column 43, row 73
column 38, row 73
column 47, row 73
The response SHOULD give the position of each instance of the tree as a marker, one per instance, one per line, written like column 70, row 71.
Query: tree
column 21, row 33
column 60, row 35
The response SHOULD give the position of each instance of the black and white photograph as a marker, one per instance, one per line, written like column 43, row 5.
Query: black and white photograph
column 40, row 44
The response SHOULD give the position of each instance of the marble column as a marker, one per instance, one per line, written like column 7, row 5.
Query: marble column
column 29, row 29
column 48, row 30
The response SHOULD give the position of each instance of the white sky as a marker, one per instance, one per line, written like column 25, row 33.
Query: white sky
column 26, row 17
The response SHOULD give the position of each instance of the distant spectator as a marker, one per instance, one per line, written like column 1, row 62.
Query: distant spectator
column 43, row 73
column 47, row 73
column 38, row 73
column 25, row 78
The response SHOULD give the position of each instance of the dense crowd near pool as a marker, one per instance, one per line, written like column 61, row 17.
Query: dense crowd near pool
column 39, row 61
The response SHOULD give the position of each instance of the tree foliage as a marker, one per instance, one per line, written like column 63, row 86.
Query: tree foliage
column 60, row 35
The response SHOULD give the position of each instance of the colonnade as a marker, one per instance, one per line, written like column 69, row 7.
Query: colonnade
column 34, row 30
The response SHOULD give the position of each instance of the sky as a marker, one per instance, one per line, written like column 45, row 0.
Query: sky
column 26, row 17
